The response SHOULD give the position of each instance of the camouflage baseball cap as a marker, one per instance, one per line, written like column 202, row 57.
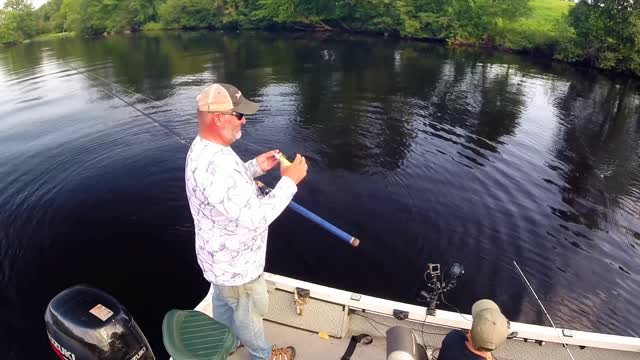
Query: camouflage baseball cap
column 490, row 328
column 224, row 97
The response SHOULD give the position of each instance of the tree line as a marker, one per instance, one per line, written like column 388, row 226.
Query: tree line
column 600, row 33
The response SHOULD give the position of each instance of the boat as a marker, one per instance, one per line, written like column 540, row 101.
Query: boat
column 85, row 323
column 341, row 314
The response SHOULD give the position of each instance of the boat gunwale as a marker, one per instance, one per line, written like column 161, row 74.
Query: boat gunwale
column 443, row 318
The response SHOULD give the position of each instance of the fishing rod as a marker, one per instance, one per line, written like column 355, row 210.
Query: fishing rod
column 543, row 309
column 313, row 217
column 342, row 235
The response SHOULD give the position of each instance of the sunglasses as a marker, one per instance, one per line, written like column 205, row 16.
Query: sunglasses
column 238, row 115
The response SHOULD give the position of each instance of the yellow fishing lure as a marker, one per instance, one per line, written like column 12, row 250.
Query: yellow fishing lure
column 283, row 160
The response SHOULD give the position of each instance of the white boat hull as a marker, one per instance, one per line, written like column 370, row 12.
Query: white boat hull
column 342, row 314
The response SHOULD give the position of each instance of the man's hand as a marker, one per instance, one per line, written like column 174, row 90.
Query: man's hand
column 296, row 171
column 267, row 160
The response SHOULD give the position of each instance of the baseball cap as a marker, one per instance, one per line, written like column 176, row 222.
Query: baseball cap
column 490, row 327
column 221, row 97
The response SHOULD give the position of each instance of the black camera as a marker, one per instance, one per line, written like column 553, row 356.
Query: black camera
column 437, row 288
column 456, row 270
column 433, row 269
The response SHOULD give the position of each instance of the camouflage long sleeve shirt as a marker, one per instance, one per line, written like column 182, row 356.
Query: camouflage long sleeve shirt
column 230, row 215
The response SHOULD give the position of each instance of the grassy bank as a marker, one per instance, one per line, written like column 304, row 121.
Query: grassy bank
column 541, row 29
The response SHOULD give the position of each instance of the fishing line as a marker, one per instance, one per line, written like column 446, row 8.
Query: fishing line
column 342, row 235
column 172, row 132
column 543, row 309
column 169, row 130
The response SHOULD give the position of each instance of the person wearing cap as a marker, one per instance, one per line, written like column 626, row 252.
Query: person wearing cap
column 231, row 216
column 489, row 330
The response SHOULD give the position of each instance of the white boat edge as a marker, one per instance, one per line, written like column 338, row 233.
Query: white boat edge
column 445, row 319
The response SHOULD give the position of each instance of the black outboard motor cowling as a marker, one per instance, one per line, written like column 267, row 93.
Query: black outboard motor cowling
column 85, row 323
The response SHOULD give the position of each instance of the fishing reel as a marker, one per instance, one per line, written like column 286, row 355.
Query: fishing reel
column 437, row 285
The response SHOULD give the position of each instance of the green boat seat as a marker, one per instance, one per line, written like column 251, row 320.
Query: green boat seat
column 192, row 335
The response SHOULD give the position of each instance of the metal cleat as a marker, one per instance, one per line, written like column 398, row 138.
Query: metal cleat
column 300, row 297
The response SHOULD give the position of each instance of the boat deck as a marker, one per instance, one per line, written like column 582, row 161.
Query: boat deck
column 309, row 346
column 284, row 327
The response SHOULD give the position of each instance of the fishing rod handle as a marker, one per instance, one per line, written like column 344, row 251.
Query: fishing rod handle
column 342, row 235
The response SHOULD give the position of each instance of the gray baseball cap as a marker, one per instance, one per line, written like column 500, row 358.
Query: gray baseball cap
column 490, row 327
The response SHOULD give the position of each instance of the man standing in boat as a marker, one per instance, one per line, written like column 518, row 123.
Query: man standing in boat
column 231, row 217
column 488, row 331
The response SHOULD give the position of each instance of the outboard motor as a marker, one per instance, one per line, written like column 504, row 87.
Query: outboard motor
column 85, row 323
column 402, row 345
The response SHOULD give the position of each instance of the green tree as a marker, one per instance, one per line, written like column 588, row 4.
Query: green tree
column 282, row 11
column 192, row 14
column 239, row 13
column 6, row 36
column 142, row 12
column 17, row 21
column 69, row 15
column 321, row 14
column 47, row 18
column 92, row 17
column 607, row 34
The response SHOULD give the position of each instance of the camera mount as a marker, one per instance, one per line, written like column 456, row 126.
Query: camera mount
column 437, row 285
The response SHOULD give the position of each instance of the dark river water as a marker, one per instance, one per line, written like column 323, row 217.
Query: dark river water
column 425, row 153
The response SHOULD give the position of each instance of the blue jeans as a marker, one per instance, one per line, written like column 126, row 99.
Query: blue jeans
column 242, row 308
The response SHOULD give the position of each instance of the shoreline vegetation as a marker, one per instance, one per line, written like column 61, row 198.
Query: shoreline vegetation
column 603, row 34
column 51, row 36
